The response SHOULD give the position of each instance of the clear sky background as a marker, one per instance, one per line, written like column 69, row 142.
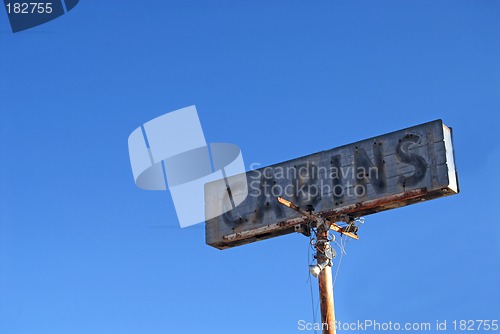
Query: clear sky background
column 83, row 250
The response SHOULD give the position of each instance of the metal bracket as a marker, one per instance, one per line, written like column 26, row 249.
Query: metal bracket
column 303, row 229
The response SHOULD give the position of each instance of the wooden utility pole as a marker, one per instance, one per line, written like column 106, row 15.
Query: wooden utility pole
column 325, row 284
column 324, row 256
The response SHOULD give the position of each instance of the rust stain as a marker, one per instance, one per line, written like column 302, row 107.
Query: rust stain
column 358, row 209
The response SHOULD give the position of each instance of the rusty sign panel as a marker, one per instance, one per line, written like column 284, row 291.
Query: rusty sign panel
column 381, row 173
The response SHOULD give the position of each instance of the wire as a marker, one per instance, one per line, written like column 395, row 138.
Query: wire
column 309, row 262
column 342, row 252
column 342, row 244
column 312, row 302
column 342, row 248
column 317, row 306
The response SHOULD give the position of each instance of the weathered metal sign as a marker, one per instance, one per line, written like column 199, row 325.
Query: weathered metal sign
column 381, row 173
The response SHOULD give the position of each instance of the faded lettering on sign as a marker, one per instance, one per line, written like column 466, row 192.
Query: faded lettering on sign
column 335, row 180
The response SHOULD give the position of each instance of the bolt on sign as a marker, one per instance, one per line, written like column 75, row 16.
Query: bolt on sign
column 381, row 173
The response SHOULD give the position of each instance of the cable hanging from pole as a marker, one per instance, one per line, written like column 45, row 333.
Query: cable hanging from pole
column 319, row 230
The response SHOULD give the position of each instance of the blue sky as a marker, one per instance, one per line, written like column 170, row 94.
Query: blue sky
column 83, row 250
